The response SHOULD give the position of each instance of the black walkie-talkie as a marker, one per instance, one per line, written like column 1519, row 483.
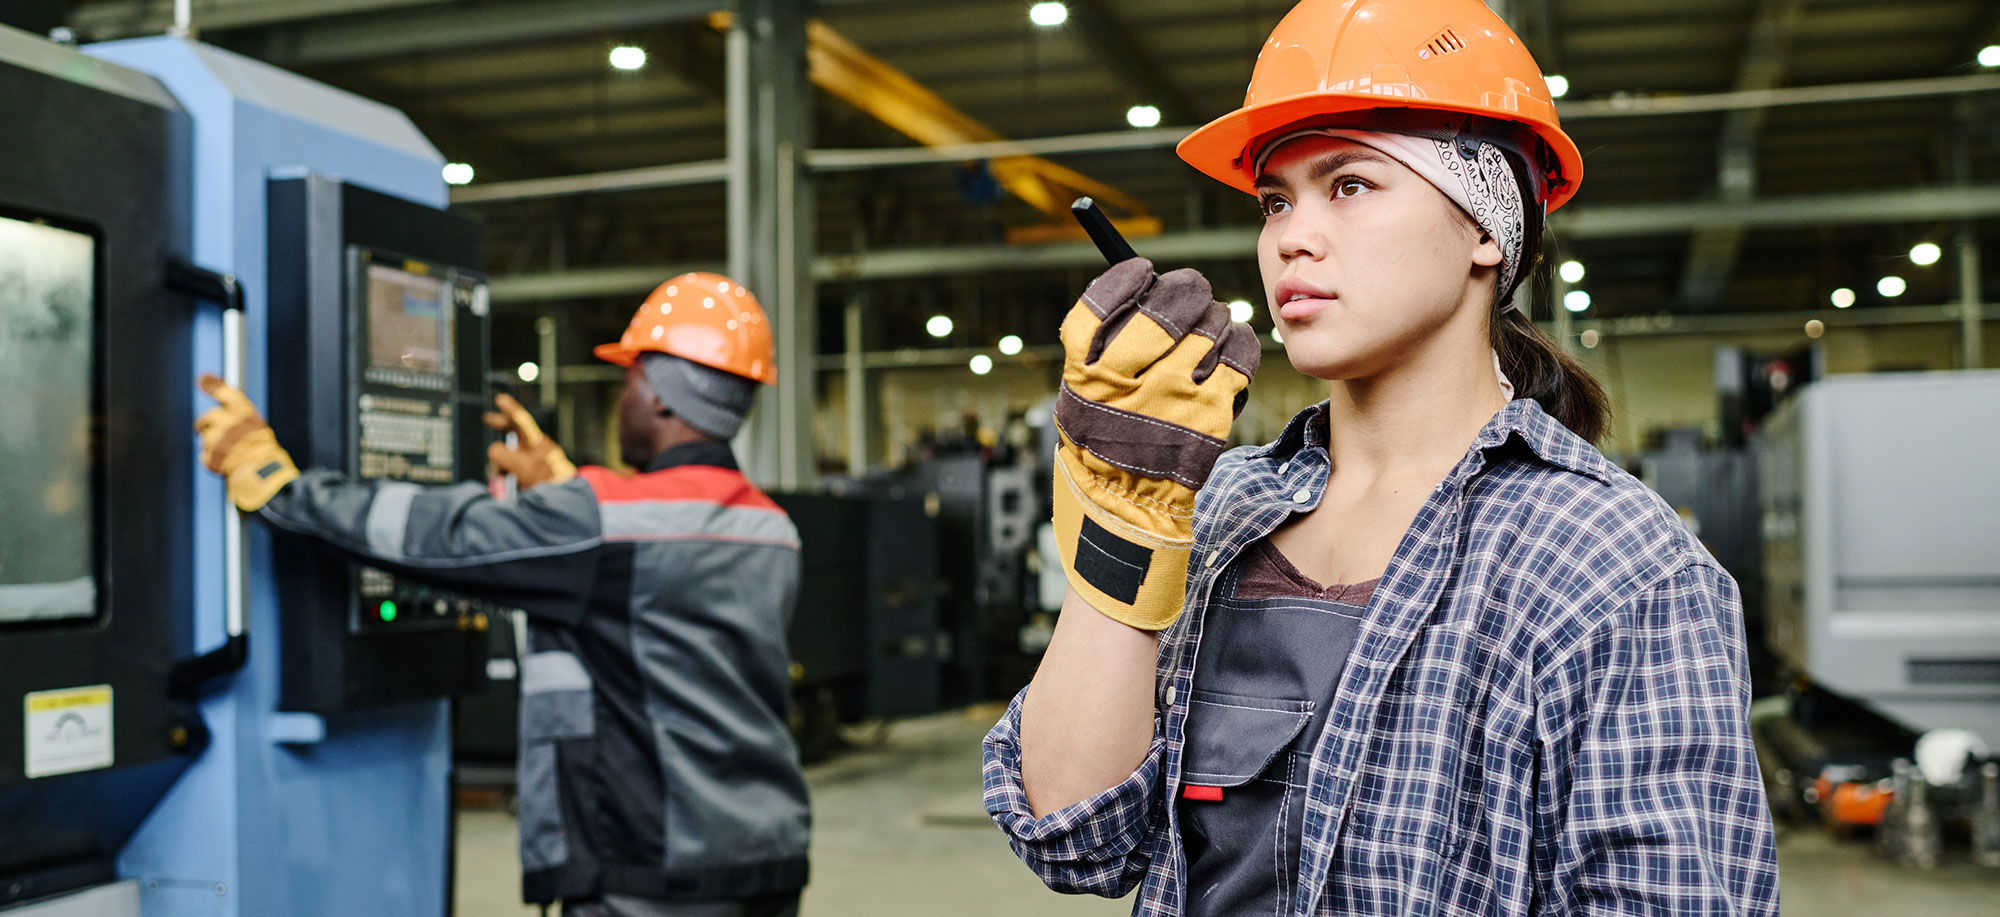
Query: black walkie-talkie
column 1098, row 226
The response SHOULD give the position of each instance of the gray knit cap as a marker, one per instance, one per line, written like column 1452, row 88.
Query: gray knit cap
column 713, row 401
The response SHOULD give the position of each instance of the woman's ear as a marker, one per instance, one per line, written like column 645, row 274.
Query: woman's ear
column 1488, row 253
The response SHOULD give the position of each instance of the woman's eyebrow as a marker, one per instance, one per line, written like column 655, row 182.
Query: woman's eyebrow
column 1323, row 167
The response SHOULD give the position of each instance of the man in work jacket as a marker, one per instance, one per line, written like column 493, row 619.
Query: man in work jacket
column 657, row 775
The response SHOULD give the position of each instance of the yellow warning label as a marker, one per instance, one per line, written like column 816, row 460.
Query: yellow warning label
column 43, row 701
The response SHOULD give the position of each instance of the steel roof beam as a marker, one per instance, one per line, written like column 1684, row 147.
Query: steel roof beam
column 1712, row 253
column 130, row 18
column 1115, row 47
column 451, row 28
column 1900, row 205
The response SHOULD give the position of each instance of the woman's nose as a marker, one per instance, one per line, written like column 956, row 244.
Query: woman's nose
column 1306, row 233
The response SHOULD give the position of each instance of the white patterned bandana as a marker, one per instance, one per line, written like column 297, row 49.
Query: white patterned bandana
column 1485, row 188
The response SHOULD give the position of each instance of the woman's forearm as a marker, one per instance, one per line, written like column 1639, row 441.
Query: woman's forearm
column 1087, row 722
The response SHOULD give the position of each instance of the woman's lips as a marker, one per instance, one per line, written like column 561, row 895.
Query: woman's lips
column 1301, row 309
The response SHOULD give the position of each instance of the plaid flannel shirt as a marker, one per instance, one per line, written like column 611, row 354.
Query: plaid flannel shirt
column 1547, row 711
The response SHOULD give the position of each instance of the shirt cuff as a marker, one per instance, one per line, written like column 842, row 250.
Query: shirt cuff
column 1108, row 825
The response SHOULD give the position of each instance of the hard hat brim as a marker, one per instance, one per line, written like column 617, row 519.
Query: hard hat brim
column 616, row 353
column 1220, row 148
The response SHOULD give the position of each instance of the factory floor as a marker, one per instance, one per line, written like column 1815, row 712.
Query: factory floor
column 899, row 832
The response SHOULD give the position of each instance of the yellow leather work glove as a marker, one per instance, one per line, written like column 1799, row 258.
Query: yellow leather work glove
column 534, row 459
column 1154, row 372
column 237, row 444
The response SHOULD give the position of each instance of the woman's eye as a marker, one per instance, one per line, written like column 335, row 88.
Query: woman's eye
column 1274, row 205
column 1348, row 187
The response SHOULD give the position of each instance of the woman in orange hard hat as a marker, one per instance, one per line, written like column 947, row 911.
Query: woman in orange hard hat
column 1428, row 653
column 657, row 773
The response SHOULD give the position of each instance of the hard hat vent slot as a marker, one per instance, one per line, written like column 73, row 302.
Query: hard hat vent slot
column 1445, row 42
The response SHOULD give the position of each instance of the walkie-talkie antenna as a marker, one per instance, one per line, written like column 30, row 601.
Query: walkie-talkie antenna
column 1098, row 226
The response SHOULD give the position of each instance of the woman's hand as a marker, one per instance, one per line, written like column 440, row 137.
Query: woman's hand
column 1154, row 372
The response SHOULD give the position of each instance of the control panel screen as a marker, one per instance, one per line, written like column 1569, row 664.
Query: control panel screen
column 409, row 320
column 48, row 312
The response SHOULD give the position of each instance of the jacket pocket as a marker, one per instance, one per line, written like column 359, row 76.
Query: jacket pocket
column 556, row 701
column 556, row 705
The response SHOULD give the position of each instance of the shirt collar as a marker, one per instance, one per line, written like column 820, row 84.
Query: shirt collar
column 700, row 452
column 1522, row 420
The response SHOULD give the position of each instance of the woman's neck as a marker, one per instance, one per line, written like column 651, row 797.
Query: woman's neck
column 1419, row 417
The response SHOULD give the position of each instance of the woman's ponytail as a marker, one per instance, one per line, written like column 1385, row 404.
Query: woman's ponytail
column 1542, row 371
column 1532, row 361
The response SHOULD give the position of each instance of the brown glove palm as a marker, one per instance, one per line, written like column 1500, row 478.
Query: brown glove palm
column 1153, row 375
column 237, row 444
column 534, row 459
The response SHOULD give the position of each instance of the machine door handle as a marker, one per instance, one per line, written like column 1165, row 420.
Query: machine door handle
column 190, row 675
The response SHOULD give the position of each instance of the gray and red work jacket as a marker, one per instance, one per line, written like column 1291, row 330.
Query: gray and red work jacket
column 655, row 759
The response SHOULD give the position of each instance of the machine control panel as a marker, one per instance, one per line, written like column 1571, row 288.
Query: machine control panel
column 411, row 313
column 379, row 340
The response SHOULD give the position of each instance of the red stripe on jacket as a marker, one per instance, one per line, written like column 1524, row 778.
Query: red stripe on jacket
column 699, row 483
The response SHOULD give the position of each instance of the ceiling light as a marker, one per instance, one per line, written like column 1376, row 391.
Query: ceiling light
column 1277, row 334
column 1571, row 271
column 1048, row 14
column 1240, row 310
column 457, row 173
column 627, row 57
column 981, row 364
column 1925, row 254
column 1989, row 56
column 1558, row 85
column 1589, row 338
column 1842, row 298
column 939, row 326
column 1815, row 328
column 1891, row 286
column 1142, row 116
column 1011, row 344
column 1576, row 301
column 528, row 372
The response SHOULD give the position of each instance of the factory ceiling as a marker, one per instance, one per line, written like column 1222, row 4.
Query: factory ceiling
column 1719, row 179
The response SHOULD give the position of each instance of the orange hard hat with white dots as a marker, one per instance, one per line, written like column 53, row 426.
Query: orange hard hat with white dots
column 705, row 318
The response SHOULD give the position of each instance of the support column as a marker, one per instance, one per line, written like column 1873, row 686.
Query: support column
column 546, row 352
column 770, row 225
column 857, row 391
column 1972, row 314
column 1972, row 310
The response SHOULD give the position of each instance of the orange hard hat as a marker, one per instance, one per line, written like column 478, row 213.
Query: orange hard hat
column 1336, row 57
column 707, row 318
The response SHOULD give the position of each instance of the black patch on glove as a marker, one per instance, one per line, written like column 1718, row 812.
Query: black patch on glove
column 1114, row 566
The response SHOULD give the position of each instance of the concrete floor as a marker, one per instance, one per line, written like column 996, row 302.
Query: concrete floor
column 899, row 832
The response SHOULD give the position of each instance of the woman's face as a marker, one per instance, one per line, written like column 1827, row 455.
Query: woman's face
column 1362, row 258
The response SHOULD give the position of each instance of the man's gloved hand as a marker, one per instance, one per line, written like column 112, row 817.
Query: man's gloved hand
column 237, row 444
column 1154, row 372
column 534, row 459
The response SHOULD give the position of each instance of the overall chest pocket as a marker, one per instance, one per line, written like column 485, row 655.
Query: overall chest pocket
column 1423, row 778
column 1242, row 797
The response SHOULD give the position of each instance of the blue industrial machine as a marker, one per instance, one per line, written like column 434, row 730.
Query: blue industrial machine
column 143, row 775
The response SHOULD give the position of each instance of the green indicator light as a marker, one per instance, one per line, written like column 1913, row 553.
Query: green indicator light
column 388, row 611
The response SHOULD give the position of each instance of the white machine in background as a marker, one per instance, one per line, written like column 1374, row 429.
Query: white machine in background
column 1881, row 499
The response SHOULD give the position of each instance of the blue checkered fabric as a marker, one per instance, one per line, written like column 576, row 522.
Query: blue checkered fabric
column 1547, row 711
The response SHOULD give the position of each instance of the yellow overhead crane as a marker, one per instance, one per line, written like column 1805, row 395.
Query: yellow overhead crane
column 874, row 86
